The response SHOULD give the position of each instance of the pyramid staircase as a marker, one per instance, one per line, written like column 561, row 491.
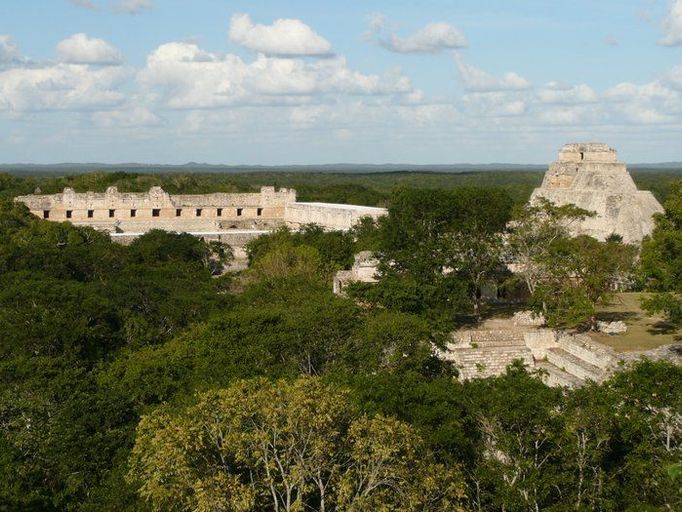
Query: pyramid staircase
column 485, row 353
column 566, row 360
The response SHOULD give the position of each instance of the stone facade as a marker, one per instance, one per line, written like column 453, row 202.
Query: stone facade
column 333, row 216
column 590, row 177
column 129, row 213
column 233, row 219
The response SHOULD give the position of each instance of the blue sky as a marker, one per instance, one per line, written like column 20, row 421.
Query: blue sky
column 305, row 82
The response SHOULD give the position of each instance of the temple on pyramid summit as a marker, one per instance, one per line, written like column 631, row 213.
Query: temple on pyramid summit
column 590, row 177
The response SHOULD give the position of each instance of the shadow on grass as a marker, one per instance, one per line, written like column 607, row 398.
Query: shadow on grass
column 663, row 327
column 614, row 316
column 488, row 311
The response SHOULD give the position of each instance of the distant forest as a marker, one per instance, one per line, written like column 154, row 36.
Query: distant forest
column 149, row 378
column 366, row 188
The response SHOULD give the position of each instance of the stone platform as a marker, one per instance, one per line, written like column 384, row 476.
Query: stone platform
column 564, row 359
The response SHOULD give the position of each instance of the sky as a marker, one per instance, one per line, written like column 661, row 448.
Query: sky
column 275, row 82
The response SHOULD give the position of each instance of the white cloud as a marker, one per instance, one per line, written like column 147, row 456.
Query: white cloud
column 377, row 22
column 650, row 103
column 555, row 92
column 285, row 37
column 476, row 79
column 433, row 38
column 672, row 26
column 127, row 118
column 211, row 104
column 641, row 114
column 60, row 87
column 8, row 50
column 495, row 104
column 343, row 135
column 81, row 49
column 429, row 114
column 674, row 78
column 85, row 4
column 133, row 6
column 565, row 116
column 182, row 76
column 629, row 92
column 306, row 116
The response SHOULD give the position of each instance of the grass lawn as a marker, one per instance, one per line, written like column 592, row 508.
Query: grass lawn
column 644, row 331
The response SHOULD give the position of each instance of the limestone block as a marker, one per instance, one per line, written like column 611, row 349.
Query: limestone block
column 612, row 328
column 528, row 319
column 540, row 341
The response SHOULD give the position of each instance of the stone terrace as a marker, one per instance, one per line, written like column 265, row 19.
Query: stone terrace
column 566, row 360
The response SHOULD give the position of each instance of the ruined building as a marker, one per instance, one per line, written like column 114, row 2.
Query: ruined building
column 590, row 177
column 230, row 218
column 135, row 213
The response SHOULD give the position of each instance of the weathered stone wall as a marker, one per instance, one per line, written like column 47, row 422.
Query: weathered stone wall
column 582, row 346
column 590, row 177
column 564, row 359
column 587, row 152
column 156, row 208
column 115, row 211
column 328, row 215
column 540, row 341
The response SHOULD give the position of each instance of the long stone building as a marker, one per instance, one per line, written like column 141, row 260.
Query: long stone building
column 230, row 218
column 590, row 176
column 130, row 212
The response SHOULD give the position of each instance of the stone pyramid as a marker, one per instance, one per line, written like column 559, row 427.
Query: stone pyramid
column 589, row 176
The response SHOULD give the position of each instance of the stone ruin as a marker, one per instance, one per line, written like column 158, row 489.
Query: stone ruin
column 364, row 270
column 138, row 212
column 230, row 218
column 590, row 177
column 564, row 359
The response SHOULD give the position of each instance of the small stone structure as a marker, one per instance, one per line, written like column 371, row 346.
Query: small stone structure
column 617, row 327
column 364, row 270
column 528, row 319
column 590, row 177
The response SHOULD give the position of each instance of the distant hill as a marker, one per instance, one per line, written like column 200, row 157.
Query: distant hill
column 663, row 166
column 79, row 168
column 210, row 168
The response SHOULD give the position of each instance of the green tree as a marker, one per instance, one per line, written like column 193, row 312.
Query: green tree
column 478, row 259
column 285, row 446
column 424, row 240
column 531, row 234
column 661, row 261
column 581, row 273
column 335, row 249
column 518, row 444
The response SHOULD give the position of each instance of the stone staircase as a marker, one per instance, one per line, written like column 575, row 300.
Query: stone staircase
column 572, row 364
column 564, row 360
column 485, row 353
column 553, row 376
